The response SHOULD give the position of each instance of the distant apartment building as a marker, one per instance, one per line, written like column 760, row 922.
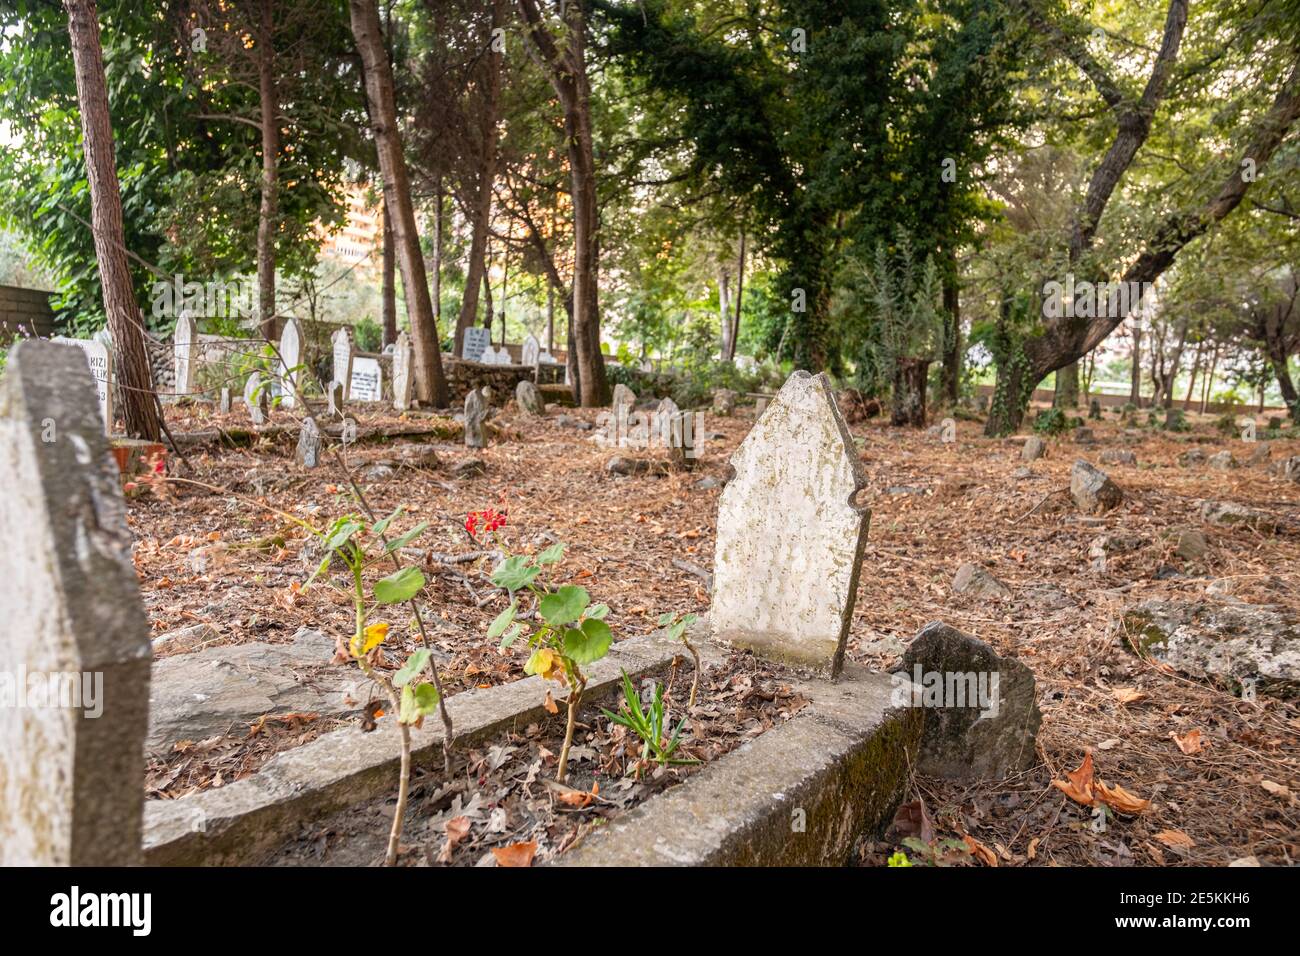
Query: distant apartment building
column 362, row 232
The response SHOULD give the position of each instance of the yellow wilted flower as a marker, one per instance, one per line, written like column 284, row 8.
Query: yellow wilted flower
column 374, row 635
column 547, row 663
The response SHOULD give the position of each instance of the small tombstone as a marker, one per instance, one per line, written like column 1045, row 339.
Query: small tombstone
column 225, row 399
column 75, row 654
column 183, row 345
column 529, row 398
column 760, row 405
column 477, row 340
column 309, row 444
column 948, row 431
column 531, row 352
column 348, row 435
column 724, row 401
column 672, row 432
column 1094, row 410
column 402, row 382
column 257, row 399
column 475, row 414
column 290, row 358
column 335, row 398
column 624, row 397
column 341, row 349
column 99, row 355
column 546, row 358
column 790, row 541
column 500, row 356
column 367, row 383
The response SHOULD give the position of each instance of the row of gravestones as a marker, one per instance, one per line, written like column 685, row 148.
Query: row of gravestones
column 788, row 553
column 477, row 347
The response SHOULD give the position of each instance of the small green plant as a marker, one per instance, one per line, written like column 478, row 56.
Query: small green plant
column 677, row 626
column 352, row 542
column 1176, row 420
column 572, row 635
column 650, row 725
column 1226, row 425
column 1054, row 421
column 898, row 859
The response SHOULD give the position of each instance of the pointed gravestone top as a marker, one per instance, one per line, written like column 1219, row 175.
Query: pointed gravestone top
column 402, row 380
column 790, row 540
column 74, row 652
column 531, row 352
column 290, row 357
column 341, row 349
column 183, row 344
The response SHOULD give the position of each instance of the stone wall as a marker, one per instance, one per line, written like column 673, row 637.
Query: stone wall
column 502, row 379
column 25, row 313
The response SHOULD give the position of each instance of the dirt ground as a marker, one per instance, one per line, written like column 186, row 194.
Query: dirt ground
column 644, row 544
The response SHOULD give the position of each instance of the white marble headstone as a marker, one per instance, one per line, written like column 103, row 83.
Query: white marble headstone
column 367, row 384
column 531, row 352
column 99, row 355
column 183, row 343
column 341, row 341
column 477, row 340
column 790, row 541
column 402, row 358
column 290, row 358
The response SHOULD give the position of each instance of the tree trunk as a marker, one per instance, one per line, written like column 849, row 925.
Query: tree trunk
column 430, row 384
column 909, row 392
column 481, row 208
column 1135, row 375
column 1196, row 371
column 438, row 214
column 1287, row 387
column 740, row 293
column 388, row 293
column 134, row 376
column 268, row 212
column 1175, row 362
column 950, row 383
column 550, row 316
column 1067, row 388
column 488, row 313
column 724, row 311
column 1209, row 378
column 567, row 71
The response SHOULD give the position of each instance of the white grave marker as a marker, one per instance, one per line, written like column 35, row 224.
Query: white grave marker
column 477, row 340
column 790, row 542
column 99, row 355
column 367, row 383
column 402, row 358
column 291, row 357
column 531, row 353
column 342, row 348
column 183, row 344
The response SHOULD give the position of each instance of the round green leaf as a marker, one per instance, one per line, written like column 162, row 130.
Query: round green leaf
column 399, row 586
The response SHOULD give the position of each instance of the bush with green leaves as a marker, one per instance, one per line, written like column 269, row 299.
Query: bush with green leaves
column 571, row 635
column 650, row 724
column 1054, row 421
column 1176, row 420
column 359, row 545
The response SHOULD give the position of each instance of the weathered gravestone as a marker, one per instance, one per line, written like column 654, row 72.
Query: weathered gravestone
column 475, row 413
column 673, row 433
column 402, row 382
column 257, row 399
column 529, row 398
column 74, row 652
column 341, row 347
column 531, row 352
column 225, row 399
column 624, row 397
column 367, row 382
column 183, row 345
column 290, row 358
column 309, row 444
column 476, row 341
column 99, row 355
column 790, row 539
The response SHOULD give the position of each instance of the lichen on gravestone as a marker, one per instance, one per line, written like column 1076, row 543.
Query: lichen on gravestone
column 790, row 538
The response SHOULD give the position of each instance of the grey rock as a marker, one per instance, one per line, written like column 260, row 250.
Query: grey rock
column 225, row 689
column 974, row 580
column 475, row 414
column 1288, row 468
column 1191, row 544
column 1222, row 461
column 185, row 639
column 1033, row 449
column 623, row 396
column 1232, row 514
column 529, row 398
column 378, row 472
column 1092, row 490
column 1084, row 436
column 622, row 465
column 705, row 484
column 990, row 737
column 904, row 490
column 1260, row 453
column 1020, row 474
column 309, row 444
column 1205, row 639
column 571, row 421
column 1193, row 456
column 1118, row 456
column 724, row 401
